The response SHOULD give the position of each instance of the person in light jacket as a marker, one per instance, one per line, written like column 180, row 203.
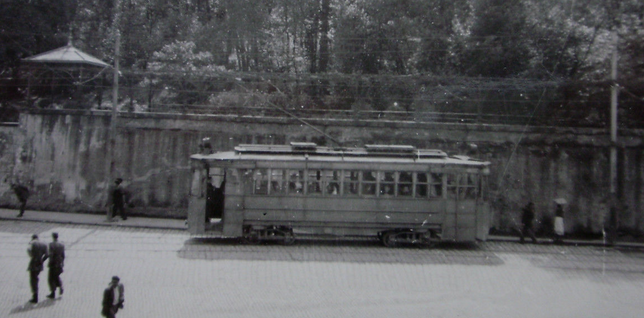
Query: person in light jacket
column 559, row 224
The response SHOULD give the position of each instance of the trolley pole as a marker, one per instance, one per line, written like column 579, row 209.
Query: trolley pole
column 614, row 204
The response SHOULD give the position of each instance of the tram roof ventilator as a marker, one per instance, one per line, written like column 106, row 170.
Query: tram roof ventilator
column 367, row 150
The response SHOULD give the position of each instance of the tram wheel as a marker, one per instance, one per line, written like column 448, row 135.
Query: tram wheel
column 389, row 239
column 289, row 238
column 426, row 240
column 251, row 238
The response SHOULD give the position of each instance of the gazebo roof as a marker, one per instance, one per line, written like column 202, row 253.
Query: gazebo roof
column 66, row 55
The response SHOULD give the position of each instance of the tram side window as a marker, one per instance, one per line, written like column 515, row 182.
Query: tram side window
column 296, row 182
column 277, row 181
column 369, row 182
column 315, row 182
column 436, row 185
column 260, row 181
column 451, row 185
column 351, row 182
column 405, row 184
column 421, row 185
column 387, row 182
column 333, row 186
column 468, row 186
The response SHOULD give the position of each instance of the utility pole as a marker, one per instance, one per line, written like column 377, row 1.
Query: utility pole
column 614, row 92
column 111, row 158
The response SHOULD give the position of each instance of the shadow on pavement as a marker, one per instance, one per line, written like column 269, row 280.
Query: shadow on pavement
column 359, row 250
column 29, row 306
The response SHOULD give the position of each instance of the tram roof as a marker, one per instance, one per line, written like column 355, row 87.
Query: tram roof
column 312, row 152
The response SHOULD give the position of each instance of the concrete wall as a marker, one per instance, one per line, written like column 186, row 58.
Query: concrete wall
column 63, row 157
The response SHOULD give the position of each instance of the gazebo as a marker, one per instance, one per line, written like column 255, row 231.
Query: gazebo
column 58, row 78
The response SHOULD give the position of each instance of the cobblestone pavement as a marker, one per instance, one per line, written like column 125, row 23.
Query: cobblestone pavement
column 168, row 274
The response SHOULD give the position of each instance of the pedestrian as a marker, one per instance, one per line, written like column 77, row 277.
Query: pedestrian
column 118, row 199
column 527, row 219
column 38, row 254
column 22, row 193
column 113, row 298
column 559, row 221
column 56, row 263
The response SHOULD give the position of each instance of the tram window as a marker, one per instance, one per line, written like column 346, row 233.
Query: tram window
column 351, row 182
column 436, row 186
column 247, row 180
column 471, row 186
column 483, row 188
column 369, row 182
column 421, row 185
column 295, row 182
column 277, row 181
column 451, row 186
column 260, row 181
column 387, row 181
column 333, row 187
column 405, row 183
column 314, row 182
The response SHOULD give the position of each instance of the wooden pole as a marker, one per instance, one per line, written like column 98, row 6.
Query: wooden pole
column 111, row 158
column 614, row 92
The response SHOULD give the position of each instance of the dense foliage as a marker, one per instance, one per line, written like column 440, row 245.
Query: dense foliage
column 543, row 59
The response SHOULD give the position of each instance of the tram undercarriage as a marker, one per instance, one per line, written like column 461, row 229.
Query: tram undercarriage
column 254, row 234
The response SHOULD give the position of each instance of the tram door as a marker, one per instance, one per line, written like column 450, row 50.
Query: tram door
column 215, row 188
column 461, row 218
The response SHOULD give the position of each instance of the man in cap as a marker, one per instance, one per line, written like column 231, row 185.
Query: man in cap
column 38, row 254
column 113, row 298
column 56, row 263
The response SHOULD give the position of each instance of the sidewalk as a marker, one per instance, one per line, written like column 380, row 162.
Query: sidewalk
column 92, row 219
column 179, row 224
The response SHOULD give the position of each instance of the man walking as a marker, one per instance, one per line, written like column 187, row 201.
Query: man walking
column 22, row 193
column 527, row 219
column 56, row 263
column 38, row 253
column 113, row 298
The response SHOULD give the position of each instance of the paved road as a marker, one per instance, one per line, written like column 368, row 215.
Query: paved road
column 167, row 274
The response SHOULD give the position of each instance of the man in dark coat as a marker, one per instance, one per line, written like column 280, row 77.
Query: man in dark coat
column 56, row 263
column 118, row 199
column 527, row 219
column 22, row 193
column 113, row 298
column 38, row 254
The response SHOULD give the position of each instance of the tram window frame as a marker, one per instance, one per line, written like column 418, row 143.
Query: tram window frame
column 277, row 182
column 402, row 184
column 350, row 181
column 429, row 184
column 315, row 182
column 293, row 182
column 387, row 183
column 452, row 185
column 333, row 183
column 369, row 187
column 261, row 177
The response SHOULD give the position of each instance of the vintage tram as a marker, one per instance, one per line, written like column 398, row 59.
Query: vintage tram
column 397, row 193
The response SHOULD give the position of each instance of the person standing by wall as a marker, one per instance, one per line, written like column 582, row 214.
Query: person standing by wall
column 22, row 193
column 56, row 263
column 118, row 199
column 528, row 219
column 38, row 254
column 559, row 221
column 113, row 298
